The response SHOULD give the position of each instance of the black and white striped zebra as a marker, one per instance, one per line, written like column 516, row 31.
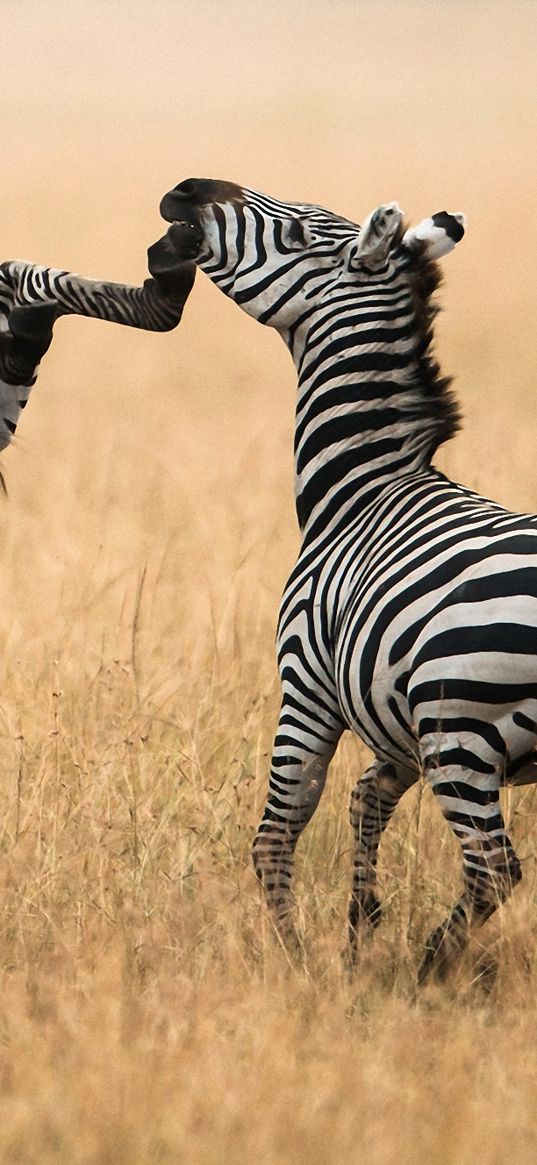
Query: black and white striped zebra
column 32, row 298
column 411, row 614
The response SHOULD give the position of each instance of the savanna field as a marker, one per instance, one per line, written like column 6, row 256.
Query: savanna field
column 147, row 1015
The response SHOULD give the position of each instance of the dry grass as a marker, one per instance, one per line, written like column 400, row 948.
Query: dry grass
column 145, row 1014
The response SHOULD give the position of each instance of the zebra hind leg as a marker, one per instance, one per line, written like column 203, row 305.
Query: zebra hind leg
column 470, row 803
column 373, row 801
column 297, row 781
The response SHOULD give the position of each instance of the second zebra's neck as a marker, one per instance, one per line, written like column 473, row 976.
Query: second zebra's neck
column 371, row 405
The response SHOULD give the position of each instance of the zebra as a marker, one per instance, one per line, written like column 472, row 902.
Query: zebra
column 410, row 616
column 33, row 297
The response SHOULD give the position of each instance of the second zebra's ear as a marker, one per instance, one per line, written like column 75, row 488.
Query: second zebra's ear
column 377, row 236
column 441, row 232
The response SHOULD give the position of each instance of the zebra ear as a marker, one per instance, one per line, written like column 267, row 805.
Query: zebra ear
column 441, row 232
column 377, row 234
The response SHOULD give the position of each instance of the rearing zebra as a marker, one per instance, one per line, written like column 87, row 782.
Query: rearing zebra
column 411, row 614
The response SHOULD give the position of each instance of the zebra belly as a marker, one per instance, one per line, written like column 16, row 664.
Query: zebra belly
column 472, row 684
column 463, row 670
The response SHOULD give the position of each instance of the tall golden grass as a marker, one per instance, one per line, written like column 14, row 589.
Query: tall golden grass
column 145, row 1014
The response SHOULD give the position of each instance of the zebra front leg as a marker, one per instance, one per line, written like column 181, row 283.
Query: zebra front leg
column 156, row 306
column 373, row 801
column 297, row 780
column 470, row 803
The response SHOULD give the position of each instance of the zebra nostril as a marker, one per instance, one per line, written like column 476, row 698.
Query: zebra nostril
column 174, row 205
column 186, row 189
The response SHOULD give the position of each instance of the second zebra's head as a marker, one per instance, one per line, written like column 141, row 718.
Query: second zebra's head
column 281, row 260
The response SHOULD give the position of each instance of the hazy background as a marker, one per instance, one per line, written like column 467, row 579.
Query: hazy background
column 105, row 105
column 148, row 534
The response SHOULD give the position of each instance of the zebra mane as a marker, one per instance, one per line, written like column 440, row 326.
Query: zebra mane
column 440, row 402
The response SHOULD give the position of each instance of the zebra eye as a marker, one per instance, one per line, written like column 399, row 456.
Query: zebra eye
column 295, row 232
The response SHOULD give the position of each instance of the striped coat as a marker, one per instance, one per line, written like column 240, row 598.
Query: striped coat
column 32, row 298
column 411, row 614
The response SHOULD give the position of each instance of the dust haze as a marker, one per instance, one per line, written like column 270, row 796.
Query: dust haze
column 149, row 530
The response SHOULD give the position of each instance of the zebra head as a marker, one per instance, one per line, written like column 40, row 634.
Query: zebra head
column 280, row 261
column 272, row 257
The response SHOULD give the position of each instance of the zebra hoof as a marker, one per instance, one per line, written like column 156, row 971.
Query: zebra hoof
column 364, row 915
column 161, row 258
column 366, row 909
column 350, row 956
column 175, row 277
column 443, row 947
column 485, row 973
column 180, row 244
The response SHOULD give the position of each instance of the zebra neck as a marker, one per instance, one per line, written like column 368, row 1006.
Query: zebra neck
column 371, row 407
